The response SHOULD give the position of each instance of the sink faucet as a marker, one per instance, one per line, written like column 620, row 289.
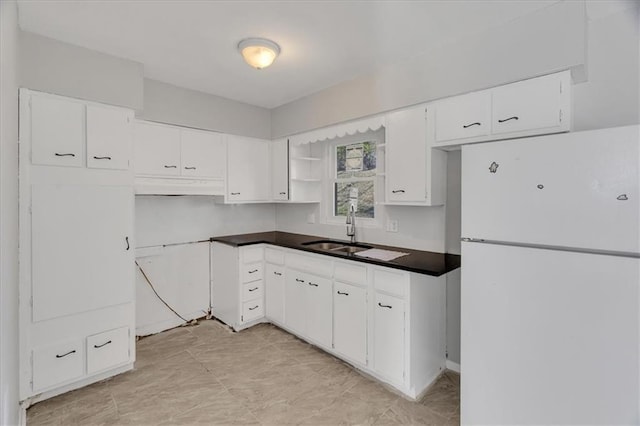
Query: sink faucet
column 351, row 223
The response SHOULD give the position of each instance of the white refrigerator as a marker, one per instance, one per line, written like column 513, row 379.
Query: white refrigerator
column 550, row 280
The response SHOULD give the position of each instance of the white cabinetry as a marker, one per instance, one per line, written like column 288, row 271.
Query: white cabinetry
column 535, row 106
column 280, row 170
column 274, row 285
column 248, row 174
column 177, row 160
column 350, row 321
column 388, row 338
column 76, row 244
column 305, row 169
column 415, row 174
column 237, row 285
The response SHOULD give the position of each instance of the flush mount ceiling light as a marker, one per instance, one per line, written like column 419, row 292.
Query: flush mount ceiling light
column 258, row 52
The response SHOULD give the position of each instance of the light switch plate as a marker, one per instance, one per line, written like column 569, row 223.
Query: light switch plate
column 392, row 225
column 311, row 218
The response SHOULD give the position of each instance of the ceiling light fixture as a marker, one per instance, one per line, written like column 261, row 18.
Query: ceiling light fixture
column 258, row 52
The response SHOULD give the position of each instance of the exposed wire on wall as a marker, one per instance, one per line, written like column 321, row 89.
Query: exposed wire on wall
column 187, row 322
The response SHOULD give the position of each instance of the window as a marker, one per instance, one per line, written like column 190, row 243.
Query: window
column 354, row 177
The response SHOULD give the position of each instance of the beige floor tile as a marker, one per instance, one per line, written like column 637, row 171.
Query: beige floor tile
column 207, row 374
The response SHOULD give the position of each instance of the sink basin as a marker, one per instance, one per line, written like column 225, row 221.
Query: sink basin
column 339, row 246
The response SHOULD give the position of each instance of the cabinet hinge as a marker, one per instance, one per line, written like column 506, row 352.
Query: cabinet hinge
column 29, row 102
column 241, row 318
column 31, row 301
column 560, row 86
column 561, row 116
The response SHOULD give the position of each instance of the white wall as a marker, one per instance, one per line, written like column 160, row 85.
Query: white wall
column 53, row 66
column 9, row 412
column 171, row 104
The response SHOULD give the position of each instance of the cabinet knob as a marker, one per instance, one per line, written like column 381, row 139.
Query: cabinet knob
column 395, row 191
column 384, row 306
column 68, row 353
column 507, row 119
column 68, row 154
column 127, row 241
column 472, row 124
column 104, row 344
column 101, row 158
column 344, row 294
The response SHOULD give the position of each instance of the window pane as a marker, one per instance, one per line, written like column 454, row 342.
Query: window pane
column 356, row 160
column 361, row 193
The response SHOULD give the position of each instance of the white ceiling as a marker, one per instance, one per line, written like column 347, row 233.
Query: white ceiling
column 193, row 43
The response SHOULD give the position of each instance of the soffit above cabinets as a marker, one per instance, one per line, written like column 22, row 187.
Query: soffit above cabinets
column 192, row 44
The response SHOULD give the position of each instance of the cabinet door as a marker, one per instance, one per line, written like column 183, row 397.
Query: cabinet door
column 57, row 131
column 527, row 105
column 275, row 288
column 319, row 310
column 388, row 337
column 57, row 363
column 465, row 116
column 248, row 169
column 406, row 155
column 280, row 169
column 578, row 189
column 295, row 304
column 204, row 154
column 350, row 321
column 82, row 248
column 156, row 149
column 109, row 137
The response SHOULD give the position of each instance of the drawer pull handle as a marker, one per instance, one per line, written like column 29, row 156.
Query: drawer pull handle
column 189, row 168
column 255, row 307
column 344, row 294
column 104, row 344
column 312, row 284
column 277, row 273
column 253, row 289
column 283, row 193
column 507, row 119
column 101, row 158
column 622, row 197
column 170, row 167
column 395, row 191
column 472, row 124
column 253, row 271
column 384, row 306
column 127, row 240
column 235, row 193
column 299, row 280
column 68, row 353
column 65, row 155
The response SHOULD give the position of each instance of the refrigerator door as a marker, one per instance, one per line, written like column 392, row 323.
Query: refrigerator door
column 548, row 337
column 576, row 190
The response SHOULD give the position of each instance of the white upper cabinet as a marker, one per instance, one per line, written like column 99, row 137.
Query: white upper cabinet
column 109, row 137
column 415, row 174
column 157, row 149
column 528, row 105
column 531, row 107
column 464, row 116
column 248, row 174
column 57, row 131
column 280, row 170
column 203, row 154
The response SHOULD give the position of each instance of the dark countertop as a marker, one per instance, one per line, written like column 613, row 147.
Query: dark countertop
column 422, row 262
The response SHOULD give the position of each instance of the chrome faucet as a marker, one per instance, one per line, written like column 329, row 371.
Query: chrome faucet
column 351, row 223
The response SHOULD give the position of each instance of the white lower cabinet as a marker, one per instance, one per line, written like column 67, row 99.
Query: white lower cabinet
column 295, row 301
column 319, row 310
column 57, row 363
column 274, row 293
column 350, row 321
column 388, row 337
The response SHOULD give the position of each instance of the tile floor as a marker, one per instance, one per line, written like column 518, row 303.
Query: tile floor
column 206, row 374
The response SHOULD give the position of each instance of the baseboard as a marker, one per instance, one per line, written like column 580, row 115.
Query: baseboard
column 453, row 366
column 172, row 322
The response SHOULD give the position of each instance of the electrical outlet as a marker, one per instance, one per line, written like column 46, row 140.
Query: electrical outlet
column 392, row 225
column 311, row 218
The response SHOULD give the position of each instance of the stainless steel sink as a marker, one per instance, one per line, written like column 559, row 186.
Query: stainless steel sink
column 339, row 246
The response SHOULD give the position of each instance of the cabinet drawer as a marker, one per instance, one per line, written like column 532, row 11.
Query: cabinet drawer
column 108, row 349
column 350, row 273
column 251, row 272
column 253, row 290
column 312, row 264
column 251, row 254
column 465, row 116
column 274, row 256
column 252, row 310
column 57, row 364
column 391, row 282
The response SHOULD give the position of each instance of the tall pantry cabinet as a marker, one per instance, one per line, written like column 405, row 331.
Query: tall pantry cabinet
column 76, row 243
